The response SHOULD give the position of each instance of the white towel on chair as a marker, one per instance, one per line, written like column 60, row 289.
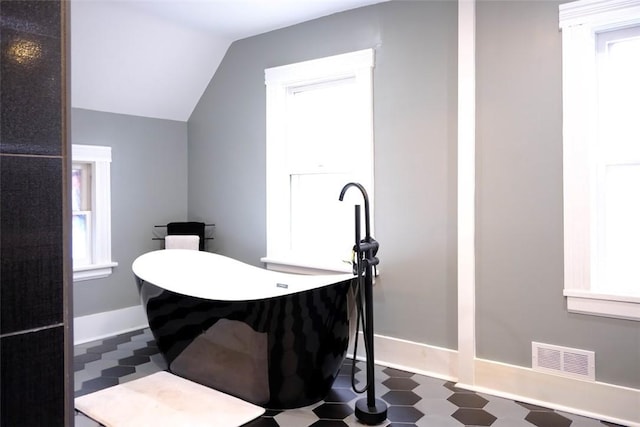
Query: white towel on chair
column 176, row 241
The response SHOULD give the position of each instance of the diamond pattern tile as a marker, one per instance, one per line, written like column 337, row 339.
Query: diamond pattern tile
column 334, row 411
column 329, row 423
column 340, row 395
column 145, row 351
column 134, row 360
column 102, row 348
column 467, row 400
column 401, row 397
column 80, row 362
column 403, row 414
column 413, row 400
column 396, row 373
column 400, row 383
column 547, row 418
column 474, row 417
column 118, row 371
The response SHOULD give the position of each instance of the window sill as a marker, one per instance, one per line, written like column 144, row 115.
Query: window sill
column 300, row 266
column 616, row 306
column 93, row 271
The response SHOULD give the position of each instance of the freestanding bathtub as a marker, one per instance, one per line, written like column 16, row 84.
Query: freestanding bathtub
column 274, row 339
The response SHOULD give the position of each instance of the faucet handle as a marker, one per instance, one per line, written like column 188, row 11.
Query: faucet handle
column 369, row 245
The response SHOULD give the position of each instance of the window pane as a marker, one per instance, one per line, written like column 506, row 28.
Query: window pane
column 81, row 187
column 76, row 189
column 321, row 225
column 322, row 127
column 622, row 231
column 620, row 97
column 81, row 232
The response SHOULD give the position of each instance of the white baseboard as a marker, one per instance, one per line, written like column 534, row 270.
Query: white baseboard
column 603, row 401
column 102, row 325
column 608, row 402
column 414, row 357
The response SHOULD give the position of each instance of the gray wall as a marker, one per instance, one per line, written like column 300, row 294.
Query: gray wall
column 415, row 92
column 519, row 198
column 148, row 187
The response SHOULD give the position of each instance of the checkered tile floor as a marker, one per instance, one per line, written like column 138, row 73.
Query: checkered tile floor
column 413, row 400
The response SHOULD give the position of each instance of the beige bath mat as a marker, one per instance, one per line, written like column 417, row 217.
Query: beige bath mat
column 163, row 399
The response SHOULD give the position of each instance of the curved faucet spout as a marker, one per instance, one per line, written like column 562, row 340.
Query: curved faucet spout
column 366, row 204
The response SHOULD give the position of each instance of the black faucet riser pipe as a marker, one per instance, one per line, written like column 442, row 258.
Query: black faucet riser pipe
column 370, row 410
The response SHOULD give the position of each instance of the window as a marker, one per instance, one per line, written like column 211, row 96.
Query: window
column 601, row 138
column 617, row 162
column 91, row 210
column 81, row 209
column 319, row 138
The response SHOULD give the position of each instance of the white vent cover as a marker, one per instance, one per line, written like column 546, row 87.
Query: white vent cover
column 564, row 361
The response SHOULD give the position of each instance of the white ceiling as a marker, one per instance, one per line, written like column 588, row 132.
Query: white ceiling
column 154, row 58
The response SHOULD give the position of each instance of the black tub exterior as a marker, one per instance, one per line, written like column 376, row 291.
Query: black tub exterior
column 279, row 353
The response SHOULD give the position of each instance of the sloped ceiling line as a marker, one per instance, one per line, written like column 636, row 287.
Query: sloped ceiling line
column 155, row 58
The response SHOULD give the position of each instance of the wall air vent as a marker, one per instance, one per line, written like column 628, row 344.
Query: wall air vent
column 563, row 361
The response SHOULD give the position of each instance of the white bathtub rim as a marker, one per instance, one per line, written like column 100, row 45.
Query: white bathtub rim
column 212, row 276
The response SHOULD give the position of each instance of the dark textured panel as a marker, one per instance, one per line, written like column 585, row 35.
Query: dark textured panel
column 30, row 78
column 33, row 371
column 30, row 242
column 34, row 17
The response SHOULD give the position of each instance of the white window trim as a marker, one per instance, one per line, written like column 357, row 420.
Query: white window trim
column 100, row 158
column 278, row 81
column 580, row 21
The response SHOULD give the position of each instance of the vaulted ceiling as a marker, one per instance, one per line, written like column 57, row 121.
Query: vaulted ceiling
column 155, row 58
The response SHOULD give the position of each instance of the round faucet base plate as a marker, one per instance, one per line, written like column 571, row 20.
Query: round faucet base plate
column 371, row 415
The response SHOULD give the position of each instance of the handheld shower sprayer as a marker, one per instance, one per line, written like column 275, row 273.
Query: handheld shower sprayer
column 370, row 410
